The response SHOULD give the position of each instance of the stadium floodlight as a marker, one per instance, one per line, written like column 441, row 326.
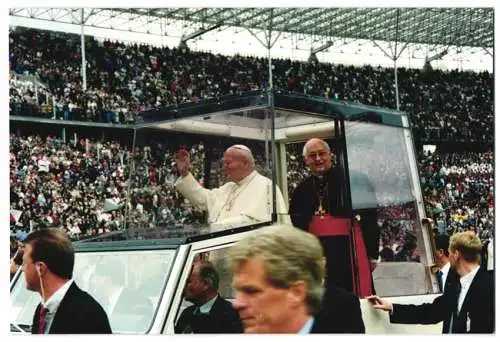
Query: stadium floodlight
column 322, row 47
column 312, row 57
column 198, row 33
column 437, row 56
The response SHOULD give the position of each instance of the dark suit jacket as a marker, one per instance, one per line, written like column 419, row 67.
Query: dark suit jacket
column 478, row 307
column 78, row 313
column 223, row 318
column 340, row 313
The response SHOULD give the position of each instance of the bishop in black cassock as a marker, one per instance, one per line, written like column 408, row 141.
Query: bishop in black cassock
column 318, row 205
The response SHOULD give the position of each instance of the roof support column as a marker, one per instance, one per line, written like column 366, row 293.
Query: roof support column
column 82, row 47
column 394, row 55
column 268, row 44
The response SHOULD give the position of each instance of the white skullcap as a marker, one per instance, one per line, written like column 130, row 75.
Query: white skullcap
column 241, row 147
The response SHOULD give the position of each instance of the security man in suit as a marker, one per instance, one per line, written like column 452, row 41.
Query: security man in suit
column 467, row 304
column 210, row 313
column 441, row 256
column 278, row 275
column 48, row 262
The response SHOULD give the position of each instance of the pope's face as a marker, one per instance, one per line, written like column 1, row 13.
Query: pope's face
column 235, row 165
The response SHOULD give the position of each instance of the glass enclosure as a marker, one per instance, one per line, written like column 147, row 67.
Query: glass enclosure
column 137, row 195
column 205, row 136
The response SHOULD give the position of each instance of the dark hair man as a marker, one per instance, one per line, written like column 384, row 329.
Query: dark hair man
column 210, row 313
column 48, row 262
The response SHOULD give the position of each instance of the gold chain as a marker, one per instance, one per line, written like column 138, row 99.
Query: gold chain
column 321, row 211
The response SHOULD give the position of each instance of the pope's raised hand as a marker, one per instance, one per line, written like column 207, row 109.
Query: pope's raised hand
column 183, row 161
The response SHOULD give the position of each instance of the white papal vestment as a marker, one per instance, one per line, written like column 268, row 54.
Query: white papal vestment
column 235, row 203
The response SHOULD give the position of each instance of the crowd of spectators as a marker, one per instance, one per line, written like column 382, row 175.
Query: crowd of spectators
column 458, row 191
column 67, row 185
column 54, row 183
column 125, row 79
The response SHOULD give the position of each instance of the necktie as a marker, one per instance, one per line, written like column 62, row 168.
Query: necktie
column 41, row 319
column 440, row 280
column 454, row 318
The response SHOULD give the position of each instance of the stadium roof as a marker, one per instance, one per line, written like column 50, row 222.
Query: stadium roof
column 464, row 27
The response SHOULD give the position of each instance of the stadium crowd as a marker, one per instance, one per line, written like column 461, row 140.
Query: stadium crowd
column 67, row 184
column 459, row 191
column 123, row 80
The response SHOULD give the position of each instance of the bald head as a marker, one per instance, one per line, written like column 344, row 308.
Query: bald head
column 314, row 141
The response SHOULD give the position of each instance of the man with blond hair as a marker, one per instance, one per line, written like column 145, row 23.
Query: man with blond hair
column 467, row 304
column 278, row 275
column 245, row 198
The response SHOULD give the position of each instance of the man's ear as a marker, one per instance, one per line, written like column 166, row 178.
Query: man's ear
column 297, row 293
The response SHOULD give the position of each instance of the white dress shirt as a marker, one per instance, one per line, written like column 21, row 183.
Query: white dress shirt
column 234, row 203
column 445, row 270
column 53, row 303
column 205, row 308
column 306, row 329
column 465, row 282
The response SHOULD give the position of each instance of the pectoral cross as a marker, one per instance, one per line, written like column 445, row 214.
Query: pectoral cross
column 321, row 212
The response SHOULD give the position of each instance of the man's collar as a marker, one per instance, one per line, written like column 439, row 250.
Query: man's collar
column 306, row 328
column 467, row 279
column 205, row 308
column 446, row 267
column 326, row 173
column 55, row 300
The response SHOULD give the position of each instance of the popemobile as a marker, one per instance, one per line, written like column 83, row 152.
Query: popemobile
column 371, row 145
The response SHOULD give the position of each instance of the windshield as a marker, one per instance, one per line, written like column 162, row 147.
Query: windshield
column 128, row 285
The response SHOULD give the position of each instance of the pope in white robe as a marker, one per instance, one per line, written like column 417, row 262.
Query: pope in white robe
column 245, row 199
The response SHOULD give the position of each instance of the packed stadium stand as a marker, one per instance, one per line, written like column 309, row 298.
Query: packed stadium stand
column 125, row 79
column 53, row 183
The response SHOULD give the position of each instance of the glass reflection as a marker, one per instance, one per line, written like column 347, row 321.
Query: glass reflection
column 379, row 153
